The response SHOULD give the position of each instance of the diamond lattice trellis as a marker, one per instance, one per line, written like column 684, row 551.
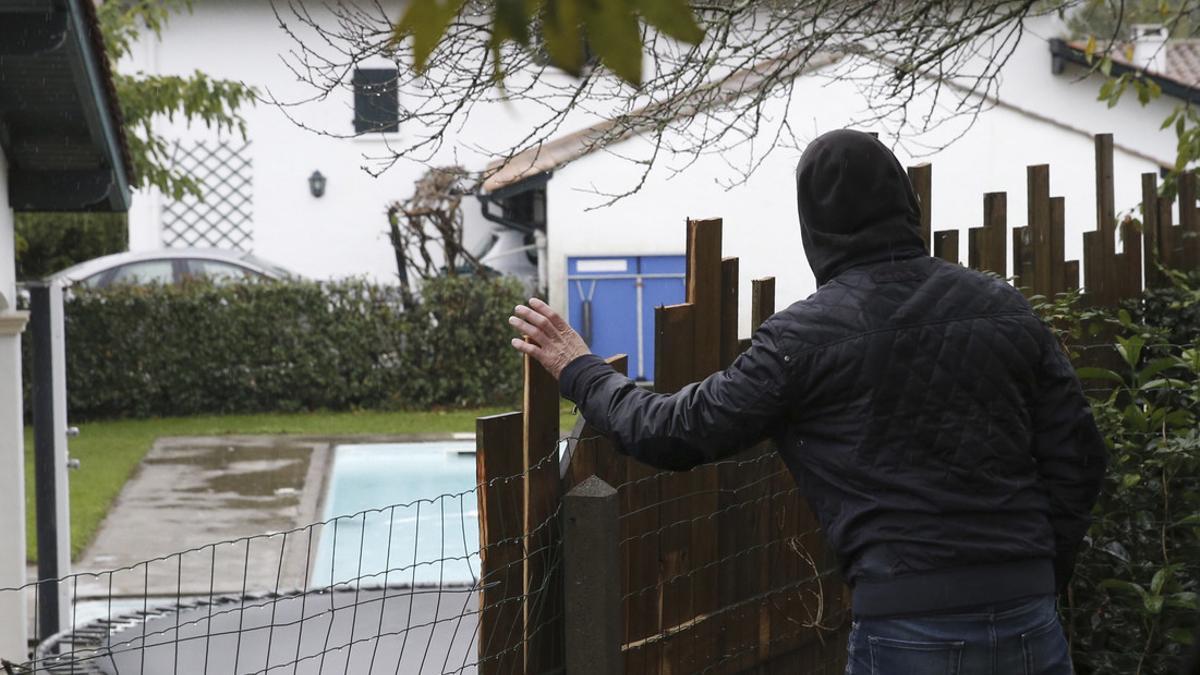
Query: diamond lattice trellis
column 223, row 217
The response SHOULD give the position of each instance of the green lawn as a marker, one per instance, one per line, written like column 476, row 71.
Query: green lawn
column 109, row 451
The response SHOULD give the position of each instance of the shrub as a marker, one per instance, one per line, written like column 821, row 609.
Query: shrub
column 1132, row 606
column 49, row 242
column 197, row 348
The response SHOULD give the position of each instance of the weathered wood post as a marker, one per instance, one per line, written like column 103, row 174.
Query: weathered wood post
column 921, row 177
column 500, row 471
column 592, row 579
column 543, row 585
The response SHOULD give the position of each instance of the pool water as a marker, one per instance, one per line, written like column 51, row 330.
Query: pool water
column 399, row 513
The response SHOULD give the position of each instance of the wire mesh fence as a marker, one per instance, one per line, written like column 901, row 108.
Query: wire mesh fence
column 391, row 589
column 403, row 589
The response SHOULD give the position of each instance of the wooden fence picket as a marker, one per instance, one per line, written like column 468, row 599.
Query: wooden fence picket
column 500, row 474
column 543, row 580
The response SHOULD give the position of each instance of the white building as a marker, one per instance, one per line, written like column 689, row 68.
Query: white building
column 1046, row 112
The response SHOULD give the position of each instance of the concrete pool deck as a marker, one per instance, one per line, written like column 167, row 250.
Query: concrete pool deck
column 190, row 494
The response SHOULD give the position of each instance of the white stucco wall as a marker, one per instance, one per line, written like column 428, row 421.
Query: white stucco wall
column 760, row 215
column 12, row 452
column 1070, row 97
column 344, row 232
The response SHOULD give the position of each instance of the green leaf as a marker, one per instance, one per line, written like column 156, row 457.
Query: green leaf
column 1181, row 636
column 1122, row 585
column 1106, row 66
column 1153, row 604
column 1170, row 119
column 1180, row 419
column 1090, row 50
column 1094, row 373
column 1116, row 96
column 562, row 34
column 1130, row 349
column 672, row 17
column 1193, row 520
column 1130, row 479
column 1160, row 579
column 1157, row 366
column 512, row 21
column 613, row 31
column 1163, row 383
column 426, row 21
column 1134, row 416
column 1184, row 600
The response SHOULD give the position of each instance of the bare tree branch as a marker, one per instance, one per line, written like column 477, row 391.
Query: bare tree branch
column 720, row 96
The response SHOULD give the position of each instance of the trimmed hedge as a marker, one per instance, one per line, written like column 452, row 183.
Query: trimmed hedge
column 141, row 351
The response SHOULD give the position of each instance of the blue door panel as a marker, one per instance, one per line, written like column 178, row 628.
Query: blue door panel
column 613, row 285
column 657, row 292
column 613, row 327
column 662, row 264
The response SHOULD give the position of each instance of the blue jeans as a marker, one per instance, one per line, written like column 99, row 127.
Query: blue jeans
column 1022, row 637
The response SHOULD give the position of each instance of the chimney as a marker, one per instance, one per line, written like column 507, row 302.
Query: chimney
column 1150, row 47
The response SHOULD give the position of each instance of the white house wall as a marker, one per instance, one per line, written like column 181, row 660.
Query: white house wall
column 13, row 617
column 760, row 216
column 1070, row 97
column 344, row 232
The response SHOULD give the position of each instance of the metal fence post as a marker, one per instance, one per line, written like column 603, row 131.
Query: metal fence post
column 592, row 579
column 50, row 456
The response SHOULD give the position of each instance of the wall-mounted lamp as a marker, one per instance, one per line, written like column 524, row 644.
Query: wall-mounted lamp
column 316, row 184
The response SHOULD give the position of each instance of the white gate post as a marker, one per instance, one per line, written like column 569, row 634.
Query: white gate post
column 13, row 622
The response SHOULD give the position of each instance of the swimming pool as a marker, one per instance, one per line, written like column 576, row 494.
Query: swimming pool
column 399, row 513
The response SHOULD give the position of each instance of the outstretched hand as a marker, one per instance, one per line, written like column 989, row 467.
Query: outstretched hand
column 552, row 342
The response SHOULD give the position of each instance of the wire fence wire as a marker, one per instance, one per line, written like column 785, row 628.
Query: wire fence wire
column 768, row 589
column 397, row 589
column 384, row 590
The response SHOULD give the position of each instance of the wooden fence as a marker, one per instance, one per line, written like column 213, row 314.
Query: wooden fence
column 723, row 568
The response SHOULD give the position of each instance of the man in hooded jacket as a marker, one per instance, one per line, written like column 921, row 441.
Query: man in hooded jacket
column 932, row 421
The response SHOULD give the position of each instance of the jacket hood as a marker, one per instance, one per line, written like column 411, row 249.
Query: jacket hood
column 856, row 204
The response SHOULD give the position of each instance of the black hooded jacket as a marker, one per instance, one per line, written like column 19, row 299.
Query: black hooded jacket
column 932, row 421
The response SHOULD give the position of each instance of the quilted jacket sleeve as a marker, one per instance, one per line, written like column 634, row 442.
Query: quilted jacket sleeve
column 1070, row 454
column 727, row 412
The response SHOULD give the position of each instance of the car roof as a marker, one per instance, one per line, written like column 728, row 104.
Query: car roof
column 96, row 265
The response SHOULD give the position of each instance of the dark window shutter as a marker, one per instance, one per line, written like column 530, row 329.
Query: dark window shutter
column 376, row 100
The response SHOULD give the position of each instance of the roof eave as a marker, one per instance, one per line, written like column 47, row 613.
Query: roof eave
column 1059, row 49
column 93, row 88
column 63, row 135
